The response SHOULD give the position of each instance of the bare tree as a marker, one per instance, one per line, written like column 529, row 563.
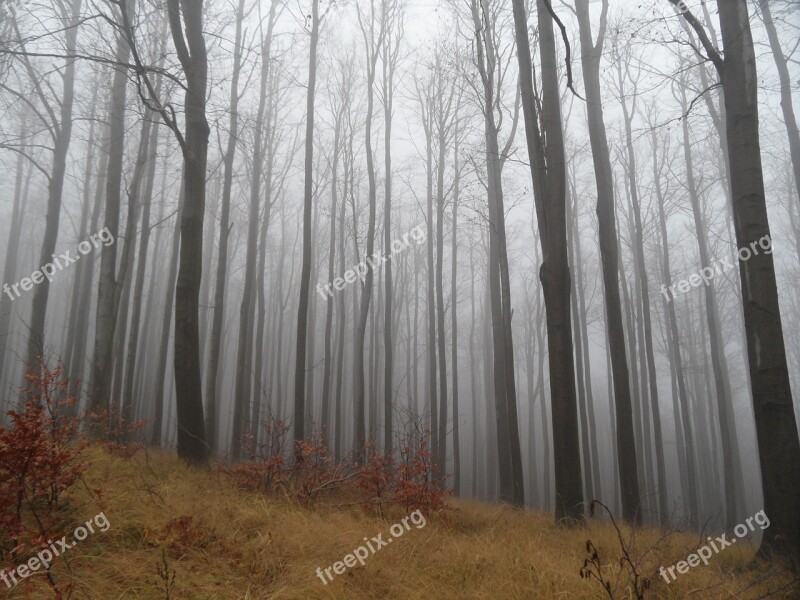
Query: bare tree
column 776, row 425
column 549, row 181
column 591, row 53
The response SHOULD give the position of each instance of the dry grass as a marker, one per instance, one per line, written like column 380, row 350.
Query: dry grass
column 225, row 543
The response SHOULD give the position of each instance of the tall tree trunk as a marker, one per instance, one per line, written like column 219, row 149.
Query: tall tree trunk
column 77, row 290
column 549, row 185
column 77, row 362
column 454, row 323
column 589, row 456
column 389, row 57
column 62, row 135
column 719, row 364
column 107, row 282
column 326, row 377
column 366, row 295
column 138, row 286
column 584, row 350
column 338, row 426
column 473, row 387
column 212, row 408
column 776, row 425
column 192, row 446
column 124, row 284
column 270, row 187
column 787, row 107
column 166, row 323
column 432, row 402
column 684, row 424
column 246, row 313
column 441, row 348
column 12, row 252
column 644, row 291
column 509, row 452
column 591, row 53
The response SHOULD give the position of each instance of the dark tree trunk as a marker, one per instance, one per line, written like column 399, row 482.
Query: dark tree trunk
column 192, row 446
column 549, row 185
column 12, row 252
column 127, row 398
column 776, row 426
column 212, row 378
column 305, row 270
column 166, row 323
column 684, row 424
column 591, row 53
column 359, row 391
column 787, row 107
column 454, row 324
column 247, row 309
column 62, row 135
column 107, row 283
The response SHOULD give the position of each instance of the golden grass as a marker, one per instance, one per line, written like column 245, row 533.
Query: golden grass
column 240, row 545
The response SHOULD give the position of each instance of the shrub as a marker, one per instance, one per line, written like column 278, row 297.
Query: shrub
column 419, row 483
column 115, row 434
column 39, row 461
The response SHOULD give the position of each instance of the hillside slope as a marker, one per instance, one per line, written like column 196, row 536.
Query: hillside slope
column 221, row 542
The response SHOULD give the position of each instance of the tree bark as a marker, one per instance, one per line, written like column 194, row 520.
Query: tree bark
column 591, row 53
column 62, row 135
column 212, row 408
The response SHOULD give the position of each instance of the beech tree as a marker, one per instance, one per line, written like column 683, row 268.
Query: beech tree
column 776, row 425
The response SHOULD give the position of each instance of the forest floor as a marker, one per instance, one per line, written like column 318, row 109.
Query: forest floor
column 220, row 542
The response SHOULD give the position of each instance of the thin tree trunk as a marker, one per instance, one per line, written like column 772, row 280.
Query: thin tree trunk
column 212, row 407
column 326, row 377
column 776, row 425
column 166, row 323
column 107, row 283
column 247, row 309
column 644, row 292
column 454, row 324
column 586, row 451
column 719, row 364
column 366, row 295
column 77, row 290
column 591, row 53
column 62, row 135
column 550, row 183
column 138, row 287
column 787, row 106
column 12, row 252
column 684, row 424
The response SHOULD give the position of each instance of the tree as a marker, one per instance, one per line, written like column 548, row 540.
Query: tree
column 305, row 272
column 247, row 309
column 390, row 56
column 100, row 382
column 591, row 53
column 781, row 63
column 373, row 41
column 776, row 425
column 60, row 129
column 492, row 74
column 549, row 182
column 215, row 342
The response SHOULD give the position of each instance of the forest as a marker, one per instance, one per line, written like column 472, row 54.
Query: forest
column 277, row 249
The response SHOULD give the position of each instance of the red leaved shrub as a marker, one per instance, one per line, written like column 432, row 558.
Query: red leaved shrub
column 39, row 460
column 409, row 479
